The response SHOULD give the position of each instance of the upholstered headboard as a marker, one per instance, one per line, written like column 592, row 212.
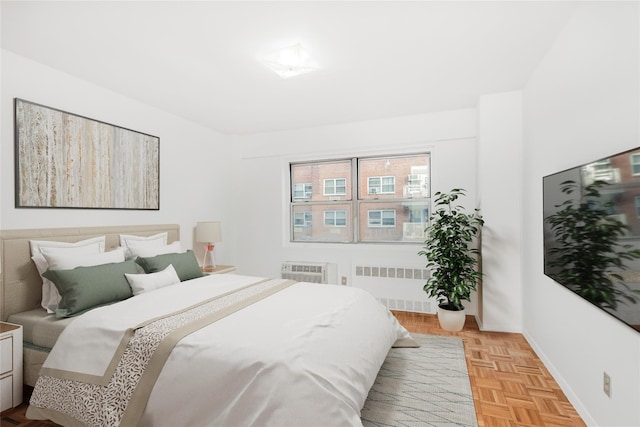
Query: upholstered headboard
column 21, row 286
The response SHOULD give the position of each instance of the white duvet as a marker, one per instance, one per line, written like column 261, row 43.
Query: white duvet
column 305, row 356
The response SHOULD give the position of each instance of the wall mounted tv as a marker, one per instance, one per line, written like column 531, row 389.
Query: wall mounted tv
column 592, row 233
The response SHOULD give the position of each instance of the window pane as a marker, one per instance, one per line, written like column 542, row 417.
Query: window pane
column 335, row 187
column 635, row 164
column 394, row 177
column 391, row 206
column 375, row 218
column 388, row 218
column 302, row 191
column 388, row 221
column 329, row 186
column 303, row 219
column 382, row 218
column 389, row 184
column 326, row 223
column 321, row 181
column 374, row 185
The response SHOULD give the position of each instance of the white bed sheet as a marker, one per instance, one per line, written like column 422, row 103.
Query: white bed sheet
column 306, row 356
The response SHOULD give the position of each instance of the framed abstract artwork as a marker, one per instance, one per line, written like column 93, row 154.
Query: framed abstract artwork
column 63, row 160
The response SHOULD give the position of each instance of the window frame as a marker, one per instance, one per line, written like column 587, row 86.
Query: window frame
column 305, row 222
column 382, row 218
column 381, row 179
column 335, row 193
column 355, row 195
column 335, row 218
column 635, row 163
column 306, row 193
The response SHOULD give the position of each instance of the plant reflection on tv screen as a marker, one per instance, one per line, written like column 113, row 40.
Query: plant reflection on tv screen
column 592, row 233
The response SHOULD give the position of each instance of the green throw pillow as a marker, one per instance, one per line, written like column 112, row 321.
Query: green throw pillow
column 184, row 263
column 83, row 288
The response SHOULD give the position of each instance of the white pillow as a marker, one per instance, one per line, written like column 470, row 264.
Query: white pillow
column 141, row 283
column 50, row 296
column 159, row 239
column 65, row 262
column 87, row 244
column 143, row 249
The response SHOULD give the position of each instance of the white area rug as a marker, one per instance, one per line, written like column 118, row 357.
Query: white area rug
column 425, row 386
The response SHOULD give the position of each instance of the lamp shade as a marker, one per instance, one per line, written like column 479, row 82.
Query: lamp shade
column 209, row 232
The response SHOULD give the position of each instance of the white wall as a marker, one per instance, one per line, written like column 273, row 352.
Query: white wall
column 581, row 104
column 261, row 235
column 500, row 184
column 192, row 158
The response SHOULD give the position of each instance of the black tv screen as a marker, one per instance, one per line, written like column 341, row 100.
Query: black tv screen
column 592, row 233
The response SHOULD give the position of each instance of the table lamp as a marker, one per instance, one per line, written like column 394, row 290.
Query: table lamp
column 208, row 232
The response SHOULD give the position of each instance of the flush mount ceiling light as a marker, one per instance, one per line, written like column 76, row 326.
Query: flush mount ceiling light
column 290, row 61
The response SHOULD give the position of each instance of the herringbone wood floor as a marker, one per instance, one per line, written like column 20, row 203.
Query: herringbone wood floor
column 511, row 387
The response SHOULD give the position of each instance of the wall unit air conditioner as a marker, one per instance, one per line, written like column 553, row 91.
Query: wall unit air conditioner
column 314, row 272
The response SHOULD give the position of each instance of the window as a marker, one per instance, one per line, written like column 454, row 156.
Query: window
column 335, row 186
column 302, row 219
column 335, row 218
column 381, row 184
column 361, row 200
column 603, row 171
column 635, row 164
column 382, row 218
column 302, row 191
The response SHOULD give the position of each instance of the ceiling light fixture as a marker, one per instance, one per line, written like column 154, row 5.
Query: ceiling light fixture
column 290, row 61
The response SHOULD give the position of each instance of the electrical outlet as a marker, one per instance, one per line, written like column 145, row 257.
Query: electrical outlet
column 344, row 280
column 606, row 384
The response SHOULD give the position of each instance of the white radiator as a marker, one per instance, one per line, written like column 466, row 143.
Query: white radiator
column 314, row 272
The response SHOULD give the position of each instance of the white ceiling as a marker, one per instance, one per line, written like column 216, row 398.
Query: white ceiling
column 198, row 60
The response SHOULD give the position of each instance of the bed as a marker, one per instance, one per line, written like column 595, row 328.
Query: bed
column 21, row 284
column 227, row 350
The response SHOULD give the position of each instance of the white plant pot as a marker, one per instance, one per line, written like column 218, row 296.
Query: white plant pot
column 451, row 320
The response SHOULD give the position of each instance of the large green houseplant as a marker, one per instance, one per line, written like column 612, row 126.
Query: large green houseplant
column 451, row 257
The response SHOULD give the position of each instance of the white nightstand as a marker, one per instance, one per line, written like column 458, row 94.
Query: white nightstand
column 10, row 365
column 221, row 269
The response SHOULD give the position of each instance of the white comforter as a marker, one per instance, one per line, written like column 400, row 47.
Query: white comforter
column 305, row 356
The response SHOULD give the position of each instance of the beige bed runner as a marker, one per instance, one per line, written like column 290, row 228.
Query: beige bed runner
column 119, row 397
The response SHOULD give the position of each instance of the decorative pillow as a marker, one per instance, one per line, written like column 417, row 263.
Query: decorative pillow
column 143, row 249
column 50, row 296
column 59, row 261
column 83, row 288
column 141, row 283
column 159, row 239
column 185, row 264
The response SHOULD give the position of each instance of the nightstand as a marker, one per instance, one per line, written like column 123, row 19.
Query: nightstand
column 10, row 365
column 222, row 269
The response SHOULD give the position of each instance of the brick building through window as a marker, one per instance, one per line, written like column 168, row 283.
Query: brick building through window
column 374, row 199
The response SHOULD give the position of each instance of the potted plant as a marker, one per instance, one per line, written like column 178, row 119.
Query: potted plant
column 451, row 257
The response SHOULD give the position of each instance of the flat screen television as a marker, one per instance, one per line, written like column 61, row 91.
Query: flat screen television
column 592, row 233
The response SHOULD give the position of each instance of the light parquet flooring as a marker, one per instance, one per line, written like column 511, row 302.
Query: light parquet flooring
column 510, row 385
